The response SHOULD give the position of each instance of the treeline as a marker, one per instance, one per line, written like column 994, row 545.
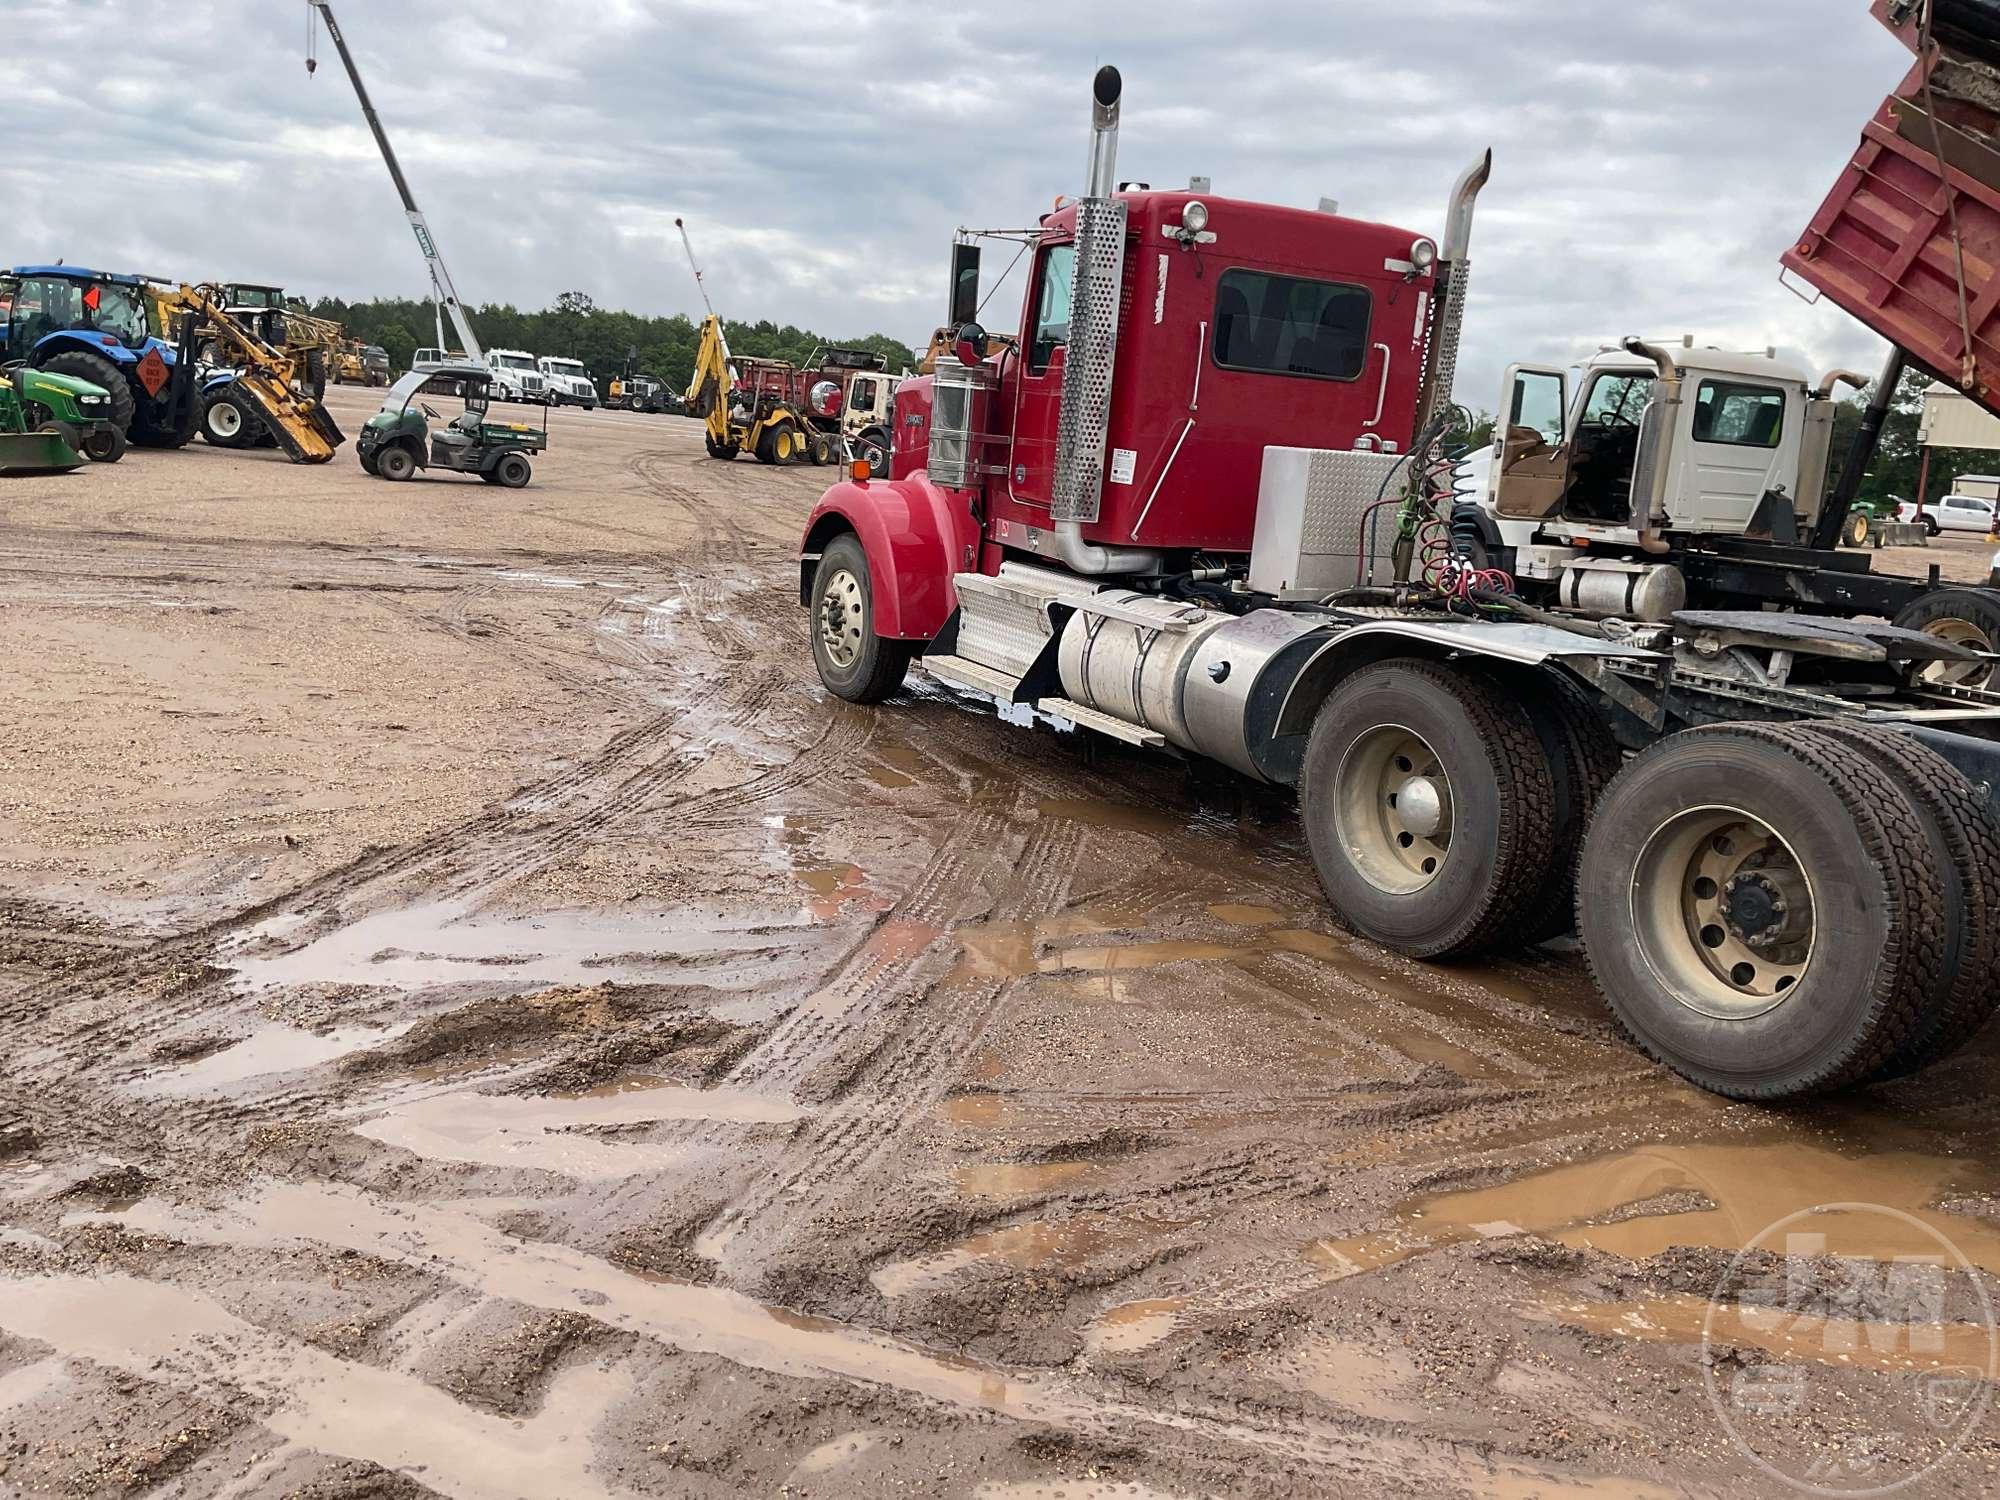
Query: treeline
column 576, row 328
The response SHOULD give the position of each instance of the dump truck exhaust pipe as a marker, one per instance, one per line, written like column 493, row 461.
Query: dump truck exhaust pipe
column 1448, row 311
column 1085, row 416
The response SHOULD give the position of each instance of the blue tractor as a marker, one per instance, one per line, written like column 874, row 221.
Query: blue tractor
column 69, row 321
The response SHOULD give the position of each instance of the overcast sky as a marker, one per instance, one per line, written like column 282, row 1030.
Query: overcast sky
column 1651, row 160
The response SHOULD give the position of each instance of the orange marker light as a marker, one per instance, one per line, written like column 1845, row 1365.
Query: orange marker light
column 859, row 470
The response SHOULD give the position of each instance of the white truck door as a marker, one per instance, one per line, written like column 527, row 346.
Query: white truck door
column 1742, row 437
column 1528, row 443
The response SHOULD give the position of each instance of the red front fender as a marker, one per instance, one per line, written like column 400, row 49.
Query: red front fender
column 915, row 535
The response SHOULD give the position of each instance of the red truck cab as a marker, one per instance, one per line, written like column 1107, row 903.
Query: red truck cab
column 1240, row 324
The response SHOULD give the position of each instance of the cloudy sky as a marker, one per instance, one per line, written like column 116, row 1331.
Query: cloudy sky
column 1652, row 160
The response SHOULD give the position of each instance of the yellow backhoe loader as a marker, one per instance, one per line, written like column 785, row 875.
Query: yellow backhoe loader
column 757, row 415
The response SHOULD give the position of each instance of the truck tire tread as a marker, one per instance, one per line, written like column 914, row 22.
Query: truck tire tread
column 1526, row 827
column 1912, row 963
column 1970, row 838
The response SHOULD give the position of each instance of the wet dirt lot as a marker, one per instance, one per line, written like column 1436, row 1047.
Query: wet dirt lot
column 481, row 1022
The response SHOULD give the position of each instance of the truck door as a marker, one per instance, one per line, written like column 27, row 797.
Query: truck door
column 1737, row 441
column 1529, row 455
column 1038, row 388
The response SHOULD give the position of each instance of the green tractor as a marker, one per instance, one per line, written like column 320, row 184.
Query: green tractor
column 48, row 420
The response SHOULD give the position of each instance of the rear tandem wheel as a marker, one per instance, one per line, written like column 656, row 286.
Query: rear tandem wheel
column 1760, row 908
column 1430, row 807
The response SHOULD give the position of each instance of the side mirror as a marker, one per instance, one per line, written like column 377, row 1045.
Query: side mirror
column 970, row 343
column 964, row 303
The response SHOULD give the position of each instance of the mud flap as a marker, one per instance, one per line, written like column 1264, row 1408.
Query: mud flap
column 36, row 453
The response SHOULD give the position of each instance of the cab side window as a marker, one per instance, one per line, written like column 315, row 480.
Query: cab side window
column 1052, row 306
column 1287, row 325
column 1743, row 416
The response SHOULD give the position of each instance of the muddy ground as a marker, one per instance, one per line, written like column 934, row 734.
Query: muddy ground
column 480, row 1021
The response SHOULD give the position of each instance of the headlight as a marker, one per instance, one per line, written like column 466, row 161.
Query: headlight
column 1194, row 216
column 1423, row 255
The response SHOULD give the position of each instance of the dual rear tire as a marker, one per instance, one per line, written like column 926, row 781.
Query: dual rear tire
column 1777, row 911
column 1770, row 911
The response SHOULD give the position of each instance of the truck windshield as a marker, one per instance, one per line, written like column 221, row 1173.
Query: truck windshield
column 1286, row 325
column 565, row 367
column 1618, row 400
column 514, row 361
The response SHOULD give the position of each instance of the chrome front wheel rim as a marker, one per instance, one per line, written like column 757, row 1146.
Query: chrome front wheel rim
column 843, row 614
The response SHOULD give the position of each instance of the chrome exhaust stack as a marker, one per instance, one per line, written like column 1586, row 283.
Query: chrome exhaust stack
column 1448, row 311
column 1085, row 415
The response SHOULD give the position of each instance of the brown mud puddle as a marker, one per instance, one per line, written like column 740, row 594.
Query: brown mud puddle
column 192, row 1343
column 269, row 1050
column 508, row 1130
column 448, row 942
column 1750, row 1186
column 1896, row 1348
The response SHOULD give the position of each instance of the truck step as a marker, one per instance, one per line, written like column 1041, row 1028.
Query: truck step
column 956, row 671
column 1103, row 723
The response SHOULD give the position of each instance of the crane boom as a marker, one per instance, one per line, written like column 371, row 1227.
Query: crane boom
column 699, row 286
column 441, row 283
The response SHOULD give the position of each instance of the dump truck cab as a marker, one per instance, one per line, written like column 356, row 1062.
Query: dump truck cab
column 1619, row 455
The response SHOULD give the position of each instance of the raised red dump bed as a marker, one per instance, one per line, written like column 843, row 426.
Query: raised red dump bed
column 1884, row 245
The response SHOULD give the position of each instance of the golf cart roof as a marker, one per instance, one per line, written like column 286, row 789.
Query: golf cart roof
column 416, row 380
column 78, row 273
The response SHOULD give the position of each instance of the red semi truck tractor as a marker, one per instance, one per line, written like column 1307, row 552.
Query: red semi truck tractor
column 1200, row 502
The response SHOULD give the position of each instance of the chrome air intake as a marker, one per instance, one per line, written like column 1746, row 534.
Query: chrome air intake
column 960, row 394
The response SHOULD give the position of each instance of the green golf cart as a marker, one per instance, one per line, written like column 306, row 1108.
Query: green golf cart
column 398, row 440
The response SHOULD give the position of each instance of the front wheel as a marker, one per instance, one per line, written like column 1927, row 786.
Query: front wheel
column 225, row 423
column 513, row 471
column 873, row 445
column 1763, row 911
column 854, row 662
column 1429, row 805
column 1855, row 533
column 723, row 451
column 395, row 463
column 104, row 444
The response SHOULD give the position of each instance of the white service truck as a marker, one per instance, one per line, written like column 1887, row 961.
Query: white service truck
column 568, row 382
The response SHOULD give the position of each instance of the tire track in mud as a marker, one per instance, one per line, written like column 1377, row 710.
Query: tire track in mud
column 894, row 1042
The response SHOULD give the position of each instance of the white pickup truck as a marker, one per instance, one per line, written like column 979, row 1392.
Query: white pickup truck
column 569, row 383
column 516, row 376
column 1966, row 513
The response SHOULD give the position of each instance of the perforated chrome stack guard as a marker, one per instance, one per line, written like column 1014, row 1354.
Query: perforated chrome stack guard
column 1095, row 292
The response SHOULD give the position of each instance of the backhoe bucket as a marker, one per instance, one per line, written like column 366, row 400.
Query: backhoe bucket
column 36, row 453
